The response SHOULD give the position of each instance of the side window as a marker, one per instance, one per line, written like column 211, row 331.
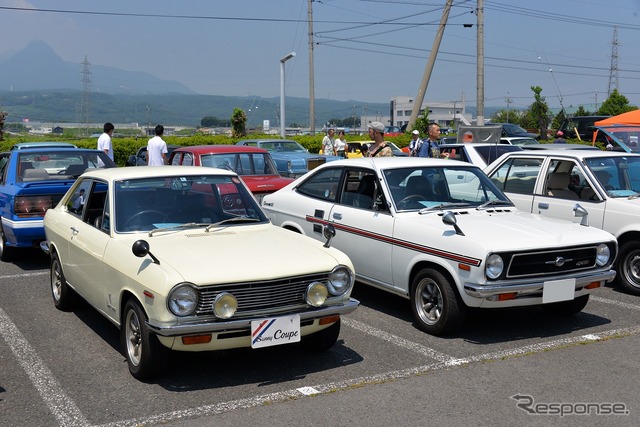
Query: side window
column 176, row 159
column 4, row 161
column 561, row 182
column 323, row 185
column 77, row 201
column 517, row 175
column 361, row 189
column 94, row 213
column 187, row 159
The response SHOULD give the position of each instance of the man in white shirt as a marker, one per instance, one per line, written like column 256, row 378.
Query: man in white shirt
column 157, row 148
column 415, row 144
column 104, row 141
column 328, row 143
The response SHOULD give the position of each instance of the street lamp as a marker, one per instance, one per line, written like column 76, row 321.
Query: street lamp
column 287, row 57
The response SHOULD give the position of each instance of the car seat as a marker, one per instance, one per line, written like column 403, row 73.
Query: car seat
column 557, row 186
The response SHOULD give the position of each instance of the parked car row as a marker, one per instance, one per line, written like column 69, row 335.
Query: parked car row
column 163, row 252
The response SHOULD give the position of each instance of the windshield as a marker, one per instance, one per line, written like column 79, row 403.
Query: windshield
column 618, row 176
column 166, row 202
column 622, row 138
column 50, row 165
column 241, row 163
column 282, row 146
column 416, row 188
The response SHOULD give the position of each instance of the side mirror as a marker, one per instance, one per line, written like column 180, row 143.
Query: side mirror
column 140, row 248
column 580, row 212
column 329, row 232
column 449, row 218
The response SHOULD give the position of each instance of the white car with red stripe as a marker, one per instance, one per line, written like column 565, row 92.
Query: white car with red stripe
column 441, row 234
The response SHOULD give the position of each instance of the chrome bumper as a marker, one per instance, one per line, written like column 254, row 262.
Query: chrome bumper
column 245, row 324
column 534, row 286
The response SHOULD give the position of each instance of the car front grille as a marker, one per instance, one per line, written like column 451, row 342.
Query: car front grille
column 551, row 262
column 315, row 162
column 274, row 295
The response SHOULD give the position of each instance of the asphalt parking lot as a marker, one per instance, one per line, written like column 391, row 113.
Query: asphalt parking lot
column 504, row 367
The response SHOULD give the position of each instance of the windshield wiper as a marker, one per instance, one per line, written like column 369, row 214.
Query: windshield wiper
column 494, row 203
column 229, row 221
column 180, row 227
column 442, row 206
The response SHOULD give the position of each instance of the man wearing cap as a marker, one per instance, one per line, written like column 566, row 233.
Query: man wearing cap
column 560, row 138
column 379, row 147
column 415, row 144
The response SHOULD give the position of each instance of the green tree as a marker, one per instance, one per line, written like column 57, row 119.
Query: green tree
column 540, row 112
column 582, row 112
column 3, row 115
column 558, row 119
column 238, row 123
column 422, row 122
column 615, row 104
column 507, row 116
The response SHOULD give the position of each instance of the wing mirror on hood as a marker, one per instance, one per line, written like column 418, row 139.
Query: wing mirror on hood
column 449, row 218
column 140, row 248
column 329, row 232
column 580, row 212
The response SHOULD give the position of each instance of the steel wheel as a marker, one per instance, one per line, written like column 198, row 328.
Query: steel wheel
column 63, row 295
column 629, row 267
column 145, row 355
column 436, row 306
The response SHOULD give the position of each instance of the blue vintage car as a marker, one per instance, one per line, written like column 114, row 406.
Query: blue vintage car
column 292, row 159
column 33, row 180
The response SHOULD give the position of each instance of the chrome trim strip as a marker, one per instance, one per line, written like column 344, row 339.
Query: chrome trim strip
column 504, row 287
column 245, row 324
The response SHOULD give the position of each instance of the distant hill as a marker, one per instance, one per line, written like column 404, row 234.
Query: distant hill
column 37, row 67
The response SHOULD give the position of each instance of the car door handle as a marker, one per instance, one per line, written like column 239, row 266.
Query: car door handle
column 543, row 205
column 337, row 216
column 74, row 230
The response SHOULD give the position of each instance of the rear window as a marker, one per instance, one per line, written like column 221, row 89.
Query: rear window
column 490, row 153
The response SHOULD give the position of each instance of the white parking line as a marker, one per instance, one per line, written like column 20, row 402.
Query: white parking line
column 372, row 379
column 614, row 302
column 63, row 408
column 17, row 276
column 395, row 340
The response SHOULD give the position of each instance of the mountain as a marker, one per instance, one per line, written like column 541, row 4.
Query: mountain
column 37, row 67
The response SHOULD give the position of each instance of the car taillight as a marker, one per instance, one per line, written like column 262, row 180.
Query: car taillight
column 32, row 206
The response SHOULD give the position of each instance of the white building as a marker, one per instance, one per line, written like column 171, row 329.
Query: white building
column 446, row 114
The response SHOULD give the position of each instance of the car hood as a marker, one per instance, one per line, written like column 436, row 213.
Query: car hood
column 502, row 230
column 241, row 253
column 301, row 155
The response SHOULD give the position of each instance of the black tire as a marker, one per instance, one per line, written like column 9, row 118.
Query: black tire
column 146, row 357
column 436, row 307
column 64, row 298
column 629, row 267
column 567, row 308
column 323, row 340
column 6, row 252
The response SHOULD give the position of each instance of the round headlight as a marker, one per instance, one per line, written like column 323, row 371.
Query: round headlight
column 183, row 300
column 225, row 305
column 603, row 253
column 494, row 267
column 316, row 294
column 339, row 281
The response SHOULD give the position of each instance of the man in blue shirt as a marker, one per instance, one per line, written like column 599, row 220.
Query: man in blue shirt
column 430, row 146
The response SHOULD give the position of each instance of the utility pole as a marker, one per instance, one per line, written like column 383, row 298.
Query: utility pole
column 312, row 108
column 417, row 103
column 613, row 70
column 508, row 101
column 85, row 103
column 480, row 65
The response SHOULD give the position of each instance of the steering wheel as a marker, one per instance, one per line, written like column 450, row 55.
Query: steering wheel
column 150, row 212
column 411, row 198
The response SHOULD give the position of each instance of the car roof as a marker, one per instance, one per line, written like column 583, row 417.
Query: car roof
column 207, row 149
column 573, row 153
column 42, row 144
column 114, row 174
column 394, row 162
column 49, row 150
column 267, row 140
column 544, row 147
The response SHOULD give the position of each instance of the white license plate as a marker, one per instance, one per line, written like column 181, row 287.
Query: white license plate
column 275, row 331
column 558, row 290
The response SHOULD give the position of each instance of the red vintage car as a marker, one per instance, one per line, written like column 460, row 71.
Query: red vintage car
column 254, row 165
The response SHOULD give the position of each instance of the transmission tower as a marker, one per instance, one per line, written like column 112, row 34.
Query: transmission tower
column 85, row 102
column 613, row 71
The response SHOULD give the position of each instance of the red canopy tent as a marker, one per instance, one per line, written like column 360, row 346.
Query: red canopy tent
column 628, row 118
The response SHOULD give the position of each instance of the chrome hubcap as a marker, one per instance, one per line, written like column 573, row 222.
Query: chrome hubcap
column 134, row 338
column 429, row 302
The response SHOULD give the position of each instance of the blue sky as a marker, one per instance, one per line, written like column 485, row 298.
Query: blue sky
column 366, row 50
